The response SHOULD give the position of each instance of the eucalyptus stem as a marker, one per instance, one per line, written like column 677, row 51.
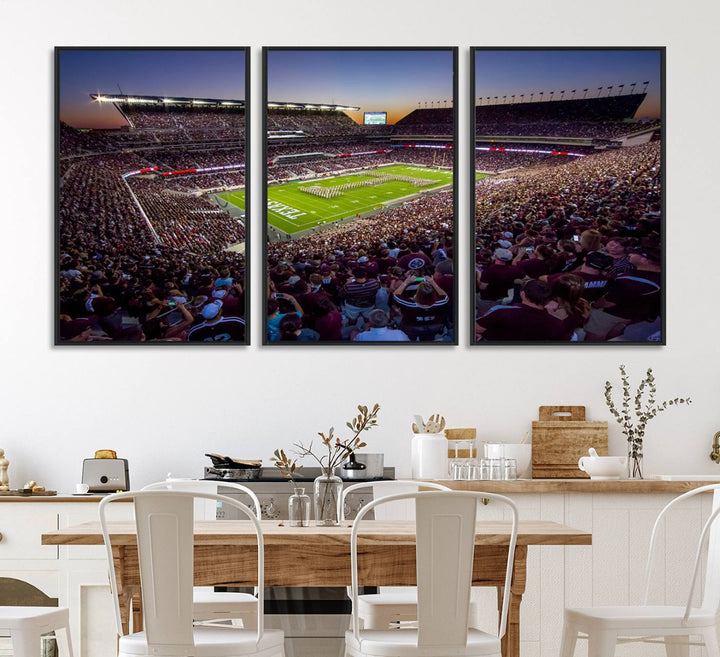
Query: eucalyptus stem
column 634, row 419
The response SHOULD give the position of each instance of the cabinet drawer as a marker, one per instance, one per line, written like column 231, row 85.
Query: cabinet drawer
column 21, row 526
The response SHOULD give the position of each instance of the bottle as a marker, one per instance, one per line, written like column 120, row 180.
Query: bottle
column 299, row 508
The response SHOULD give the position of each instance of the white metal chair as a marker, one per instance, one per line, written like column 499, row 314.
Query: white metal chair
column 164, row 523
column 209, row 604
column 25, row 626
column 445, row 525
column 673, row 624
column 392, row 604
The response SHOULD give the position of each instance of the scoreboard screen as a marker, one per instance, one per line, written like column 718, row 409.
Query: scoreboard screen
column 375, row 118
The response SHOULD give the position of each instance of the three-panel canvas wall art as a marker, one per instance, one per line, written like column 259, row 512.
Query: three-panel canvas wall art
column 362, row 238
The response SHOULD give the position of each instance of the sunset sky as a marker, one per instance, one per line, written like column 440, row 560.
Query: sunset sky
column 392, row 81
column 203, row 73
column 507, row 72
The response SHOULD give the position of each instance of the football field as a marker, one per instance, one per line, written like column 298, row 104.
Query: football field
column 292, row 210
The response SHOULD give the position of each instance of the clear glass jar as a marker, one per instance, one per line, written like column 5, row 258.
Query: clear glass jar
column 299, row 508
column 327, row 492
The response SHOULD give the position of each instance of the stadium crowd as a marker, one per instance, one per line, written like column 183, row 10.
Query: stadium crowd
column 572, row 252
column 388, row 277
column 157, row 274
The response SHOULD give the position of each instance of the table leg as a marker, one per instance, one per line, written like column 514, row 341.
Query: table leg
column 511, row 640
column 129, row 597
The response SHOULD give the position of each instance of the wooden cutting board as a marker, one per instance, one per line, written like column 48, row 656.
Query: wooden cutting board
column 560, row 437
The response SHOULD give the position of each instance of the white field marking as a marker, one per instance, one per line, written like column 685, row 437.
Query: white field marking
column 334, row 206
column 354, row 201
column 284, row 210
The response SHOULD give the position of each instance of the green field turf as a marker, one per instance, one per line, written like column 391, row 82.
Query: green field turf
column 306, row 210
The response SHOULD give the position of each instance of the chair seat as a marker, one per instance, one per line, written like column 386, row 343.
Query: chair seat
column 214, row 641
column 23, row 618
column 638, row 617
column 397, row 643
column 209, row 604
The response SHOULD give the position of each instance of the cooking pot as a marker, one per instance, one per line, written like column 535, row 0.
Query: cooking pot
column 361, row 467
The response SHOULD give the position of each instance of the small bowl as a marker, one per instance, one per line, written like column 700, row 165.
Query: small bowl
column 604, row 467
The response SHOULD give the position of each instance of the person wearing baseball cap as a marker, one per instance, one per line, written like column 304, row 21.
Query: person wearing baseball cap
column 217, row 328
column 497, row 280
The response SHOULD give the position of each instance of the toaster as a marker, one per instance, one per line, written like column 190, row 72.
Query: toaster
column 105, row 475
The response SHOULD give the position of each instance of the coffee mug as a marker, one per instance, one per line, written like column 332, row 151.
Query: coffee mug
column 81, row 489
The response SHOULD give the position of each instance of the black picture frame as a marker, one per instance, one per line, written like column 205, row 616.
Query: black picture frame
column 266, row 52
column 475, row 243
column 217, row 137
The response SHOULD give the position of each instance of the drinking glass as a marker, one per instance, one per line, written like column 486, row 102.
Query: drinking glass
column 510, row 470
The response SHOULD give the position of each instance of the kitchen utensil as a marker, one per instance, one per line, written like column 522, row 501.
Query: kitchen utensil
column 561, row 437
column 420, row 423
column 220, row 461
column 435, row 424
column 604, row 467
column 415, row 428
column 362, row 466
column 235, row 473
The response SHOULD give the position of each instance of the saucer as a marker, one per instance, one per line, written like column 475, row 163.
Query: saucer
column 82, row 494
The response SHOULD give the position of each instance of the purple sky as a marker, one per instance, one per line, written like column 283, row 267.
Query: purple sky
column 506, row 72
column 205, row 73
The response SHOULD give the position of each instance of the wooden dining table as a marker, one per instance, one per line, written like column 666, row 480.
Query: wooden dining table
column 225, row 554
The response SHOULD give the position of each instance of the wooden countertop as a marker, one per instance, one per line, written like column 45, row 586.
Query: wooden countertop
column 63, row 497
column 399, row 532
column 579, row 486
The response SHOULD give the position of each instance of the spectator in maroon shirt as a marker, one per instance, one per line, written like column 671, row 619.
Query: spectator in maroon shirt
column 593, row 274
column 632, row 297
column 409, row 261
column 328, row 320
column 359, row 294
column 422, row 316
column 496, row 280
column 527, row 321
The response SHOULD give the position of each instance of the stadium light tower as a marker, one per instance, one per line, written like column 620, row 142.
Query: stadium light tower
column 632, row 87
column 599, row 91
column 512, row 98
column 610, row 88
column 552, row 93
column 504, row 99
column 531, row 96
column 562, row 94
column 585, row 92
column 620, row 89
column 522, row 98
column 573, row 94
column 646, row 83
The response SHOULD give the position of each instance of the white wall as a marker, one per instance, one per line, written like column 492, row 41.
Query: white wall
column 162, row 408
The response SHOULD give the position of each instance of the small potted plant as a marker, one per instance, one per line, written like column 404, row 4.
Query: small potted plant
column 633, row 418
column 298, row 502
column 327, row 488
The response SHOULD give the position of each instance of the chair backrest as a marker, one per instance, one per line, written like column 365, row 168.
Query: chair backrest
column 711, row 529
column 205, row 509
column 164, row 521
column 445, row 545
column 400, row 510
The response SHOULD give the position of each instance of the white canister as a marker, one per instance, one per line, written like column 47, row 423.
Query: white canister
column 429, row 456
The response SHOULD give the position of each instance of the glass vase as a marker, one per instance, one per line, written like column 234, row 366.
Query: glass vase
column 327, row 491
column 635, row 461
column 299, row 508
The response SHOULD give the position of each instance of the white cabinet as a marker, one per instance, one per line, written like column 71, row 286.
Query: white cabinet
column 77, row 576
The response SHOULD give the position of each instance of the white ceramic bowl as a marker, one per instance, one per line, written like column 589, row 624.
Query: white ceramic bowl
column 604, row 467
